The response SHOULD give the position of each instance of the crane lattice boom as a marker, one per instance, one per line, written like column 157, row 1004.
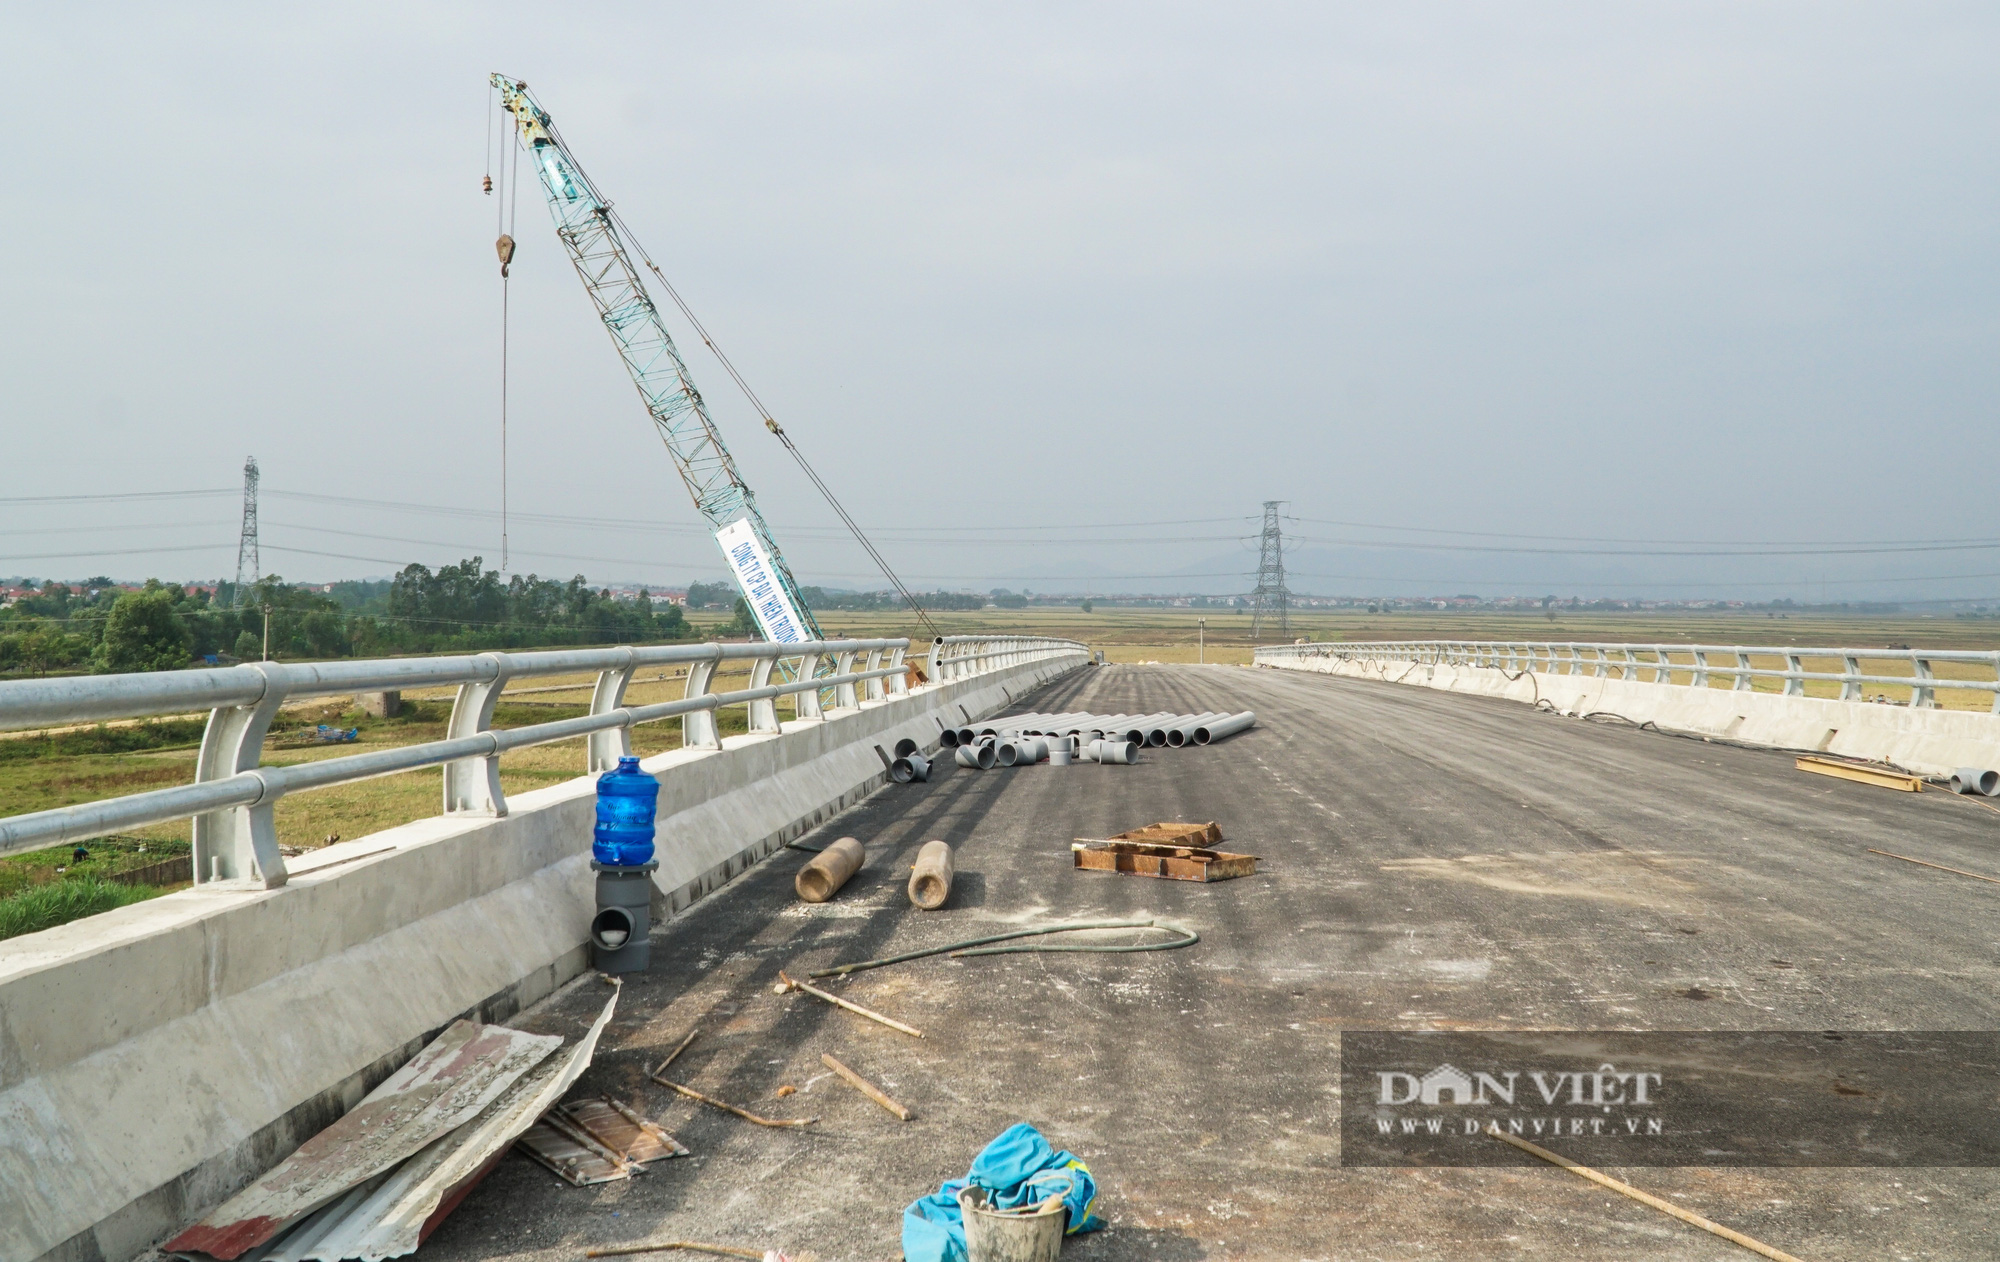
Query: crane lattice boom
column 591, row 233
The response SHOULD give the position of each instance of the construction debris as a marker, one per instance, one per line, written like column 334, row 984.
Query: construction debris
column 931, row 876
column 865, row 1087
column 821, row 878
column 388, row 1217
column 978, row 946
column 788, row 984
column 662, row 1066
column 447, row 1084
column 1890, row 854
column 1179, row 852
column 693, row 1246
column 1644, row 1198
column 597, row 1141
column 745, row 1114
column 1861, row 773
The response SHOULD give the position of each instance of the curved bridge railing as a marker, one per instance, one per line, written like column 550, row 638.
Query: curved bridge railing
column 232, row 797
column 1693, row 665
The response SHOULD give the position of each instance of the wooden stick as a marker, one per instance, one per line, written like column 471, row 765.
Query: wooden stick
column 663, row 1245
column 1939, row 866
column 865, row 1087
column 747, row 1116
column 1645, row 1198
column 856, row 1008
column 662, row 1066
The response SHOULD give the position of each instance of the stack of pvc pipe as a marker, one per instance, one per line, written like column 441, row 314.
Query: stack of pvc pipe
column 1023, row 740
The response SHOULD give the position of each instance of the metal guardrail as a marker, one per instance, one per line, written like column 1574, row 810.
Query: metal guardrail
column 1695, row 665
column 233, row 797
column 962, row 656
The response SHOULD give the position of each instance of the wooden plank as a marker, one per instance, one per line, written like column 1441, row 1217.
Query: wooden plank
column 1862, row 775
column 865, row 1087
column 1174, row 834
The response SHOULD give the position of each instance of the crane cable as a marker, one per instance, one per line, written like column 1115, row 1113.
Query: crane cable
column 771, row 424
column 503, row 244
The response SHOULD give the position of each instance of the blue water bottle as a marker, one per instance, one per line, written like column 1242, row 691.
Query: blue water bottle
column 626, row 801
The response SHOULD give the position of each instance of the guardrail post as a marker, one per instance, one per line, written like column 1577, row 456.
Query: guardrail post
column 698, row 728
column 1629, row 669
column 1700, row 679
column 805, row 705
column 843, row 693
column 1794, row 686
column 1850, row 681
column 602, row 750
column 473, row 784
column 899, row 685
column 874, row 686
column 763, row 711
column 1663, row 670
column 242, row 841
column 1922, row 696
column 1996, row 678
column 1743, row 681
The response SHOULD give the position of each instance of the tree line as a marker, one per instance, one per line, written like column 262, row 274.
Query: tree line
column 455, row 608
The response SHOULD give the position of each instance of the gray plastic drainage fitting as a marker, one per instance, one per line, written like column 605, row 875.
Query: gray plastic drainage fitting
column 1973, row 780
column 905, row 747
column 1120, row 753
column 980, row 756
column 948, row 738
column 1023, row 751
column 620, row 940
column 911, row 766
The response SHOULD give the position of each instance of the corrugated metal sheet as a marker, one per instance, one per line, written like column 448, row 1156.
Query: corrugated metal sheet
column 444, row 1086
column 391, row 1217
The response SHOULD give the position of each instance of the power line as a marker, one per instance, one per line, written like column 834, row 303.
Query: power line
column 115, row 495
column 1742, row 551
column 1744, row 543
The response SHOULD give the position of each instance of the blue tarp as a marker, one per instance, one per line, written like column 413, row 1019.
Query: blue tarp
column 1018, row 1168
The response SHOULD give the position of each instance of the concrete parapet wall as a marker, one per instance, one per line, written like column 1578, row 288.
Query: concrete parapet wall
column 1933, row 742
column 156, row 1058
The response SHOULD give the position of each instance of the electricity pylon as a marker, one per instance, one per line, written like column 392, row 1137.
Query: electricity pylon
column 246, row 544
column 1272, row 600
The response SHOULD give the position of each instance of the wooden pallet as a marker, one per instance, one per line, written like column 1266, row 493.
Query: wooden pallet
column 1861, row 774
column 1154, row 858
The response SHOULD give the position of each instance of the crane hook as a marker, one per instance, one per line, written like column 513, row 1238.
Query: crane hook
column 505, row 248
column 486, row 182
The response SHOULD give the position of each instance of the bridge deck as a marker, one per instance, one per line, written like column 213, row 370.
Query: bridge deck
column 1429, row 861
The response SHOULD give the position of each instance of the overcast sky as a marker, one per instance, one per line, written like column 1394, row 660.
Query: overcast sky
column 1053, row 295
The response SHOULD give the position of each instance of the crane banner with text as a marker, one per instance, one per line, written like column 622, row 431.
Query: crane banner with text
column 770, row 603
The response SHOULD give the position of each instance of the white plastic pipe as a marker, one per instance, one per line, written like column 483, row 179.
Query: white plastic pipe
column 1227, row 727
column 1184, row 733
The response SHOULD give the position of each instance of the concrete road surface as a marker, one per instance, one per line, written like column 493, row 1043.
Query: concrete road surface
column 1429, row 861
